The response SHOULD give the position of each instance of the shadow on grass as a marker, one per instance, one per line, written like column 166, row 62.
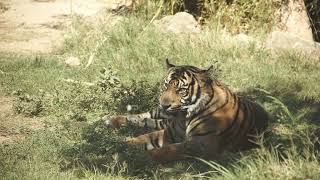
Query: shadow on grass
column 294, row 122
column 303, row 110
column 103, row 150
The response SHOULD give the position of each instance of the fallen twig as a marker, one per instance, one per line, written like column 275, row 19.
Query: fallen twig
column 157, row 13
column 93, row 53
column 77, row 82
column 153, row 18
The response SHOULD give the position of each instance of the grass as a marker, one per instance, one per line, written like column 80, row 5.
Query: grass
column 126, row 68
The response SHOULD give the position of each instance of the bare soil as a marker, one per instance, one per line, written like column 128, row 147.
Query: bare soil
column 14, row 127
column 39, row 26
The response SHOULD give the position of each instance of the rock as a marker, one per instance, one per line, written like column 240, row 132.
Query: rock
column 294, row 20
column 127, row 5
column 244, row 39
column 72, row 61
column 180, row 23
column 284, row 41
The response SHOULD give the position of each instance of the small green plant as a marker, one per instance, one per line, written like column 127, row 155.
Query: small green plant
column 108, row 79
column 140, row 96
column 28, row 105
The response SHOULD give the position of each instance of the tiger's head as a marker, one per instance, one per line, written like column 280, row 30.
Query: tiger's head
column 183, row 86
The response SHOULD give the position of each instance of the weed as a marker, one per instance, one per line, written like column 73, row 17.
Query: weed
column 27, row 105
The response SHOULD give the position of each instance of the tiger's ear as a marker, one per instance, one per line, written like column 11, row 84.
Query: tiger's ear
column 209, row 70
column 168, row 64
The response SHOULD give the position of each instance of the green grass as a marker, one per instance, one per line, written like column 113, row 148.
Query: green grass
column 74, row 143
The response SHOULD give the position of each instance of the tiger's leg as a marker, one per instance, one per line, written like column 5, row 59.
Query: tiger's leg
column 173, row 133
column 157, row 147
column 154, row 119
column 151, row 140
column 162, row 150
column 177, row 151
column 168, row 144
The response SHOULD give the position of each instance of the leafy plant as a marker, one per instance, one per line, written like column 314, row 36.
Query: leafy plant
column 28, row 105
column 108, row 79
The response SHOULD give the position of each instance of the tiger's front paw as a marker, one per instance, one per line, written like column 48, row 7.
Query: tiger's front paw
column 190, row 111
column 131, row 141
column 115, row 122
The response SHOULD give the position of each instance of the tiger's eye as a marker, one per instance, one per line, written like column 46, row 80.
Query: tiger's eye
column 183, row 92
column 175, row 83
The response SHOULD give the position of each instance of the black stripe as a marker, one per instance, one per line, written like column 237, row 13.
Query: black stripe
column 189, row 123
column 192, row 87
column 193, row 69
column 243, row 108
column 250, row 119
column 155, row 113
column 233, row 122
column 188, row 73
column 237, row 113
column 198, row 87
column 173, row 125
column 199, row 92
column 181, row 125
column 235, row 100
column 166, row 122
column 203, row 134
column 157, row 143
column 180, row 82
column 207, row 104
column 204, row 120
column 156, row 122
column 244, row 116
column 152, row 143
column 145, row 122
column 184, row 77
column 161, row 124
column 224, row 104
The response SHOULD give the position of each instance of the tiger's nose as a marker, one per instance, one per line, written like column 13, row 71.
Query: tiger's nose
column 165, row 106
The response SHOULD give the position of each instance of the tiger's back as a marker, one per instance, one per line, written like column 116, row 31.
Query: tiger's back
column 228, row 122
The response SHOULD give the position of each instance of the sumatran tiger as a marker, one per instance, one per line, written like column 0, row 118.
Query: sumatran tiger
column 197, row 116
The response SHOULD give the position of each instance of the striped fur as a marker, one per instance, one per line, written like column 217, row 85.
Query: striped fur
column 197, row 116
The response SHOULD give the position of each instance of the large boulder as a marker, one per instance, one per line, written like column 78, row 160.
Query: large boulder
column 294, row 19
column 284, row 41
column 180, row 23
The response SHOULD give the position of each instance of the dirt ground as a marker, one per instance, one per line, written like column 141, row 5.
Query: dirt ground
column 36, row 26
column 39, row 26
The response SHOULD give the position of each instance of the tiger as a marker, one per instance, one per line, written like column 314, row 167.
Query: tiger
column 197, row 116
